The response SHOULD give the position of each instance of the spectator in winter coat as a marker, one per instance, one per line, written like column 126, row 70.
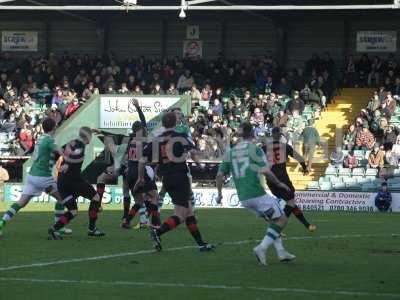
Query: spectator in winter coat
column 383, row 199
column 365, row 139
column 376, row 158
column 71, row 108
column 350, row 161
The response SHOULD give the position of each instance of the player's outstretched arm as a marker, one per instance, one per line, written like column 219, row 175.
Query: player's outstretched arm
column 300, row 159
column 140, row 112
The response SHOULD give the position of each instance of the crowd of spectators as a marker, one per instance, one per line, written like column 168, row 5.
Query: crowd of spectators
column 367, row 71
column 374, row 131
column 224, row 92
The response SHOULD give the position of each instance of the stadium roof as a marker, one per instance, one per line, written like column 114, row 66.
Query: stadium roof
column 223, row 4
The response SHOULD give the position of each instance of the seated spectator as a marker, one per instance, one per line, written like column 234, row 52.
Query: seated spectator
column 124, row 89
column 217, row 108
column 350, row 160
column 257, row 118
column 172, row 91
column 157, row 91
column 374, row 104
column 71, row 108
column 55, row 114
column 337, row 157
column 349, row 138
column 296, row 103
column 396, row 87
column 389, row 106
column 365, row 139
column 185, row 82
column 58, row 97
column 383, row 200
column 376, row 158
column 195, row 95
column 26, row 140
column 281, row 119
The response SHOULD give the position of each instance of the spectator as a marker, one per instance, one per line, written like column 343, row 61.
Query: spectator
column 337, row 157
column 185, row 82
column 349, row 139
column 281, row 119
column 311, row 139
column 376, row 157
column 71, row 108
column 365, row 139
column 383, row 199
column 350, row 160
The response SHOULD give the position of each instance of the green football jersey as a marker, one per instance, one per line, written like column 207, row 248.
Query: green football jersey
column 244, row 161
column 182, row 128
column 43, row 157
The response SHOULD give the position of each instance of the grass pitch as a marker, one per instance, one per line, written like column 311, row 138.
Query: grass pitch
column 351, row 256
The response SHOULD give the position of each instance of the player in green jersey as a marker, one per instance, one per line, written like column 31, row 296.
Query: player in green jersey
column 40, row 178
column 247, row 162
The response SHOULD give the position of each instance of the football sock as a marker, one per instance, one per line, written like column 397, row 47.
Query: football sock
column 100, row 188
column 169, row 224
column 191, row 224
column 288, row 210
column 93, row 211
column 278, row 245
column 11, row 212
column 133, row 211
column 299, row 215
column 161, row 197
column 127, row 205
column 143, row 215
column 273, row 233
column 63, row 220
column 58, row 211
column 154, row 214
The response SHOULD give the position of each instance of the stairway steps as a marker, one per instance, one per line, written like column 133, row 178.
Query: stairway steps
column 344, row 108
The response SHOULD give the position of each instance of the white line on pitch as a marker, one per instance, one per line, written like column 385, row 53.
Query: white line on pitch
column 117, row 255
column 203, row 286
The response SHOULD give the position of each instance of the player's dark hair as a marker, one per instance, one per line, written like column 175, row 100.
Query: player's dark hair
column 169, row 120
column 247, row 130
column 85, row 131
column 48, row 125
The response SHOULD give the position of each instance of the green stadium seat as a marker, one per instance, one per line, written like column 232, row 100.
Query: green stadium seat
column 325, row 186
column 336, row 179
column 358, row 172
column 396, row 172
column 371, row 172
column 359, row 154
column 362, row 180
column 339, row 186
column 313, row 186
column 331, row 170
column 344, row 172
column 363, row 163
column 367, row 153
column 368, row 187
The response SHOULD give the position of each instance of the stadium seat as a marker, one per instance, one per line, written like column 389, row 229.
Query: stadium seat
column 371, row 172
column 368, row 187
column 339, row 186
column 367, row 153
column 325, row 186
column 344, row 172
column 358, row 172
column 331, row 170
column 359, row 154
column 313, row 185
column 362, row 180
column 335, row 179
column 363, row 163
column 351, row 183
